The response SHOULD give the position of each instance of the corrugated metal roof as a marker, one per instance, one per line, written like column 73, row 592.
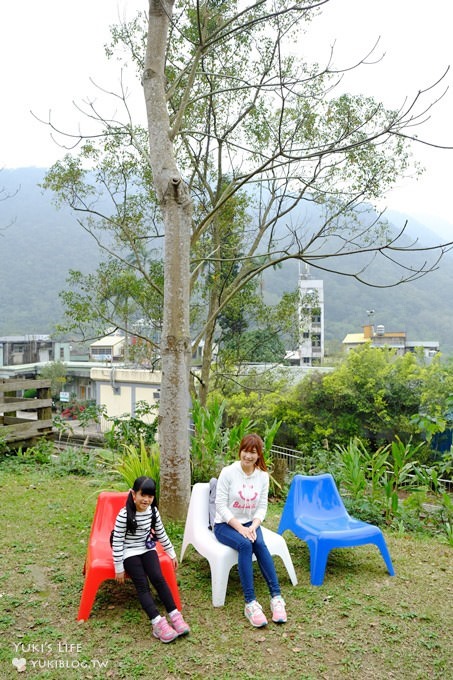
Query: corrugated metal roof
column 108, row 341
column 354, row 339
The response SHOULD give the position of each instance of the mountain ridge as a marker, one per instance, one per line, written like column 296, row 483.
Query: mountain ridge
column 40, row 244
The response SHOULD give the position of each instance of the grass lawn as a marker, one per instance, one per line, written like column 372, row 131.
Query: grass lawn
column 360, row 624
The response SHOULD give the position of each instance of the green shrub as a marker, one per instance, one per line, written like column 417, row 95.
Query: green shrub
column 131, row 430
column 40, row 453
column 74, row 461
column 134, row 462
column 213, row 445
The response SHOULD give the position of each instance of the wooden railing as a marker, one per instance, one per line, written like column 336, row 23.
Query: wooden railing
column 35, row 419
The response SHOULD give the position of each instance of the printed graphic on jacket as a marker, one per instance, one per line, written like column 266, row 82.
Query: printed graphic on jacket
column 246, row 498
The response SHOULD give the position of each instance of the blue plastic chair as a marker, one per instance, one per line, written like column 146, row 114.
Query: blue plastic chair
column 315, row 513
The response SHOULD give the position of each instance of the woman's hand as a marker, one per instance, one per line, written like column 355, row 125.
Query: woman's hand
column 120, row 578
column 175, row 562
column 248, row 532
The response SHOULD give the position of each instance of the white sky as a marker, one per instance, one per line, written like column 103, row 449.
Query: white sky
column 50, row 49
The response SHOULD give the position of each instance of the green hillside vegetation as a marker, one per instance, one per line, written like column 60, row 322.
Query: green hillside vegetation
column 40, row 244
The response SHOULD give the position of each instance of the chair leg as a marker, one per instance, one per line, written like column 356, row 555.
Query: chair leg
column 381, row 544
column 219, row 582
column 168, row 573
column 318, row 563
column 287, row 561
column 90, row 589
column 185, row 543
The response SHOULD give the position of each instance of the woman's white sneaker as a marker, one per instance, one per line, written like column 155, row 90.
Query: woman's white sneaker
column 278, row 609
column 254, row 613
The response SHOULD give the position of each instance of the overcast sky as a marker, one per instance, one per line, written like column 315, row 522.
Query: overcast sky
column 50, row 49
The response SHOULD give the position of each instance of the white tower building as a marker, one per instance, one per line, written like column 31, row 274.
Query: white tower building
column 311, row 319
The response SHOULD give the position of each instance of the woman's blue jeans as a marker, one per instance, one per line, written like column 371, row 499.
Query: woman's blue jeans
column 229, row 536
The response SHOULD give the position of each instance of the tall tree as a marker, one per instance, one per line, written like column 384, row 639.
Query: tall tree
column 236, row 118
column 176, row 206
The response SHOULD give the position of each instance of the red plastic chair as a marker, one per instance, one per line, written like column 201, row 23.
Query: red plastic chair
column 99, row 561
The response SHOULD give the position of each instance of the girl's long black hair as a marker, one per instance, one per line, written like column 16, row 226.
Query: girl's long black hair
column 147, row 486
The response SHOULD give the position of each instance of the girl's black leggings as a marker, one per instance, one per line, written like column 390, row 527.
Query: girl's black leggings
column 141, row 568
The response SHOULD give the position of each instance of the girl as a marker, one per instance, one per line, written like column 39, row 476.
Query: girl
column 241, row 506
column 138, row 525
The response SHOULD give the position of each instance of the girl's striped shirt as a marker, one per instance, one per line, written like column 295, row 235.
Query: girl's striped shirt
column 125, row 544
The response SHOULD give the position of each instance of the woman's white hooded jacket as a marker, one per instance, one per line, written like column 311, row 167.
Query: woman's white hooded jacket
column 241, row 496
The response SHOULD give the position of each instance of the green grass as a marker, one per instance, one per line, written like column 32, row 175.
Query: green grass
column 361, row 623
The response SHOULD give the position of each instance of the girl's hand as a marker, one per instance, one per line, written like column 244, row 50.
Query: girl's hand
column 120, row 578
column 175, row 562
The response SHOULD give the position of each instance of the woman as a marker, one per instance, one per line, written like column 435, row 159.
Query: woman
column 241, row 506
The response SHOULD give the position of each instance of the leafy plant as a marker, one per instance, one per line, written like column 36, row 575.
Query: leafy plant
column 63, row 427
column 131, row 430
column 428, row 425
column 365, row 508
column 41, row 452
column 92, row 413
column 445, row 464
column 446, row 512
column 74, row 461
column 135, row 462
column 352, row 467
column 377, row 481
column 56, row 372
column 4, row 447
column 268, row 439
column 449, row 532
column 403, row 462
column 207, row 441
column 275, row 487
column 212, row 444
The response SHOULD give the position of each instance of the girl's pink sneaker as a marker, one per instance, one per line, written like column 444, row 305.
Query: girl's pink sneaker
column 163, row 631
column 178, row 623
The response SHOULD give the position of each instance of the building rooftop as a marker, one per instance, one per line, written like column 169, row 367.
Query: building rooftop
column 355, row 338
column 109, row 340
column 31, row 337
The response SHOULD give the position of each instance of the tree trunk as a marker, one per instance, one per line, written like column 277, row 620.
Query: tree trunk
column 176, row 210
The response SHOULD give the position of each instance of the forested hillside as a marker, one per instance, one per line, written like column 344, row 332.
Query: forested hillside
column 40, row 244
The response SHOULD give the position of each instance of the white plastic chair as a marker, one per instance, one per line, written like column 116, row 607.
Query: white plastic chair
column 221, row 557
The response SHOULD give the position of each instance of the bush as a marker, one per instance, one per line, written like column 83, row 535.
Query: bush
column 130, row 430
column 134, row 462
column 73, row 461
column 40, row 453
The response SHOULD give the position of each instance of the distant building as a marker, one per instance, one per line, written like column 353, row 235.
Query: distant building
column 119, row 389
column 16, row 350
column 377, row 336
column 110, row 348
column 311, row 320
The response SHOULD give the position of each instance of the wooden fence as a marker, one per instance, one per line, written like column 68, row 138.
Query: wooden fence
column 24, row 419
